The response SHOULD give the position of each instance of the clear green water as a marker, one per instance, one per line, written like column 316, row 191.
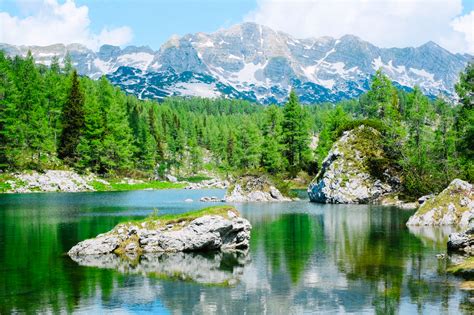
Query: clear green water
column 304, row 258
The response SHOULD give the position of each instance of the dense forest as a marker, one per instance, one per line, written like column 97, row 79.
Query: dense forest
column 51, row 118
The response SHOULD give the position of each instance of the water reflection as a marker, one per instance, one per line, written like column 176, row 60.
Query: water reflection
column 303, row 258
column 206, row 268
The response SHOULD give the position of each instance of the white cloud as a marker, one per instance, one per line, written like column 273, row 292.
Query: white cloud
column 54, row 23
column 465, row 25
column 386, row 23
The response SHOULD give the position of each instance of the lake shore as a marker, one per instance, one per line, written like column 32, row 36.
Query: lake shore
column 69, row 181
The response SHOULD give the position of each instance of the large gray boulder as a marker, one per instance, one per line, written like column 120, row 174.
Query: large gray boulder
column 453, row 206
column 254, row 189
column 347, row 173
column 228, row 232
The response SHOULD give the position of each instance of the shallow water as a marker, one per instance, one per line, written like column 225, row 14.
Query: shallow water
column 304, row 258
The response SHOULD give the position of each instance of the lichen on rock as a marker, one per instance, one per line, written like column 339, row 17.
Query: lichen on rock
column 453, row 206
column 355, row 170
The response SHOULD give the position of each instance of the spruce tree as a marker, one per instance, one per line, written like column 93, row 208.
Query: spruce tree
column 295, row 134
column 465, row 120
column 272, row 149
column 73, row 122
column 117, row 143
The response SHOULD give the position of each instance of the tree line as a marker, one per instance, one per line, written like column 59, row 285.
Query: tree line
column 50, row 117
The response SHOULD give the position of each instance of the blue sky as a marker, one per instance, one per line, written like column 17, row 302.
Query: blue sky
column 151, row 23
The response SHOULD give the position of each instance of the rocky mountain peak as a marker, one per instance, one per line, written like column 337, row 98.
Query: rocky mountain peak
column 257, row 63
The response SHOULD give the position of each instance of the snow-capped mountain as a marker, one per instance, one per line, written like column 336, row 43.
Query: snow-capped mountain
column 254, row 62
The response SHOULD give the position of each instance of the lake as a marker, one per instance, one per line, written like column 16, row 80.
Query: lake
column 303, row 258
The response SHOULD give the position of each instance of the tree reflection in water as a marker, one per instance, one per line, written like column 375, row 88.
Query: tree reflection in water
column 303, row 258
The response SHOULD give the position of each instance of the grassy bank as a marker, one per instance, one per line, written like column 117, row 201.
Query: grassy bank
column 156, row 221
column 466, row 268
column 118, row 185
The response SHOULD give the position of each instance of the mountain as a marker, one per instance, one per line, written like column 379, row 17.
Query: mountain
column 253, row 62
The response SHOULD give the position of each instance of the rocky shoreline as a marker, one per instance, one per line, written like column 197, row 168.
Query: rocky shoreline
column 52, row 181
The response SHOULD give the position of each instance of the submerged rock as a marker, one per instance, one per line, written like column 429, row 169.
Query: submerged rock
column 222, row 229
column 254, row 189
column 355, row 170
column 214, row 268
column 453, row 206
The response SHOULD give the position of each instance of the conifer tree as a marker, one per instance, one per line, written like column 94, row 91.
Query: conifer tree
column 465, row 120
column 272, row 149
column 73, row 122
column 90, row 147
column 118, row 144
column 295, row 134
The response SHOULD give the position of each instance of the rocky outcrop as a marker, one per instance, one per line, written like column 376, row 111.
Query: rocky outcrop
column 52, row 181
column 254, row 189
column 212, row 268
column 453, row 206
column 223, row 230
column 211, row 199
column 355, row 170
column 207, row 184
column 462, row 242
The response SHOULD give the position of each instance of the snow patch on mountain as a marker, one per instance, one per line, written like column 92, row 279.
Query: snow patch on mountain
column 196, row 89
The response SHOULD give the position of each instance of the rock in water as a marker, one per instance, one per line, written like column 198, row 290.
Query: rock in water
column 462, row 242
column 355, row 170
column 453, row 206
column 254, row 189
column 222, row 229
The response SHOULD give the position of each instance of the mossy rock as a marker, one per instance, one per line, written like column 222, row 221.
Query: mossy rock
column 356, row 170
column 465, row 268
column 453, row 206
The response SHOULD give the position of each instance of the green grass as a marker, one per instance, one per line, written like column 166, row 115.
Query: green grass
column 4, row 187
column 99, row 186
column 194, row 179
column 116, row 185
column 155, row 221
column 464, row 268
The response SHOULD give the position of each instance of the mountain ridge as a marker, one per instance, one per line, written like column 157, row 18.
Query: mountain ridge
column 254, row 62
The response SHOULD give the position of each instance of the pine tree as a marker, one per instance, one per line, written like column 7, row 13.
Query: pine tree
column 416, row 154
column 250, row 141
column 296, row 135
column 73, row 122
column 445, row 155
column 117, row 143
column 9, row 141
column 90, row 148
column 465, row 120
column 272, row 149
